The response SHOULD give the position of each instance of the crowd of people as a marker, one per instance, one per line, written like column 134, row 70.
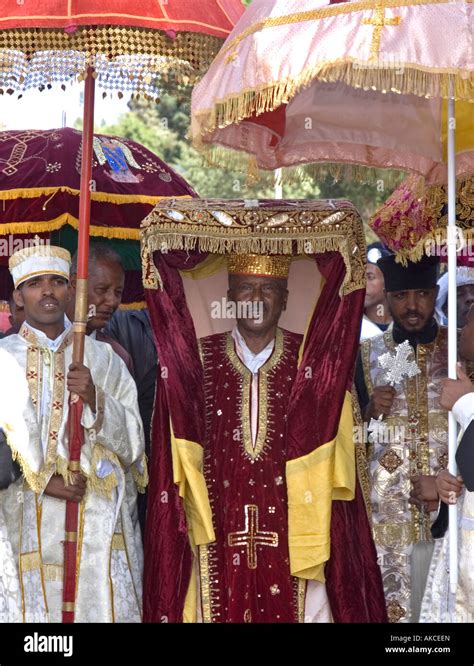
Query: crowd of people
column 248, row 374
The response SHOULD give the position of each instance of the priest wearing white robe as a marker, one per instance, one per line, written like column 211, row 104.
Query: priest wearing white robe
column 112, row 463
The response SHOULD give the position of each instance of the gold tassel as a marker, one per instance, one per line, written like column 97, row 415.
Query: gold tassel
column 268, row 97
column 141, row 478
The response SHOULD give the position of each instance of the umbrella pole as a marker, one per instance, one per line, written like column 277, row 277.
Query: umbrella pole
column 452, row 335
column 79, row 332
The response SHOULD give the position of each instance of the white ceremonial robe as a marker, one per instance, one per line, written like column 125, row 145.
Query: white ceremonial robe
column 439, row 605
column 17, row 420
column 368, row 329
column 110, row 555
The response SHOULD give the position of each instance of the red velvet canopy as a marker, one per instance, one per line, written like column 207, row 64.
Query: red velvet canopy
column 215, row 17
column 39, row 194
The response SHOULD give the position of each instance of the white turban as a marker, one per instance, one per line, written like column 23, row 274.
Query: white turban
column 464, row 275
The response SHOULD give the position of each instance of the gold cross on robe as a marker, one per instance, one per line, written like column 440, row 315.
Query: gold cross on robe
column 251, row 537
column 378, row 20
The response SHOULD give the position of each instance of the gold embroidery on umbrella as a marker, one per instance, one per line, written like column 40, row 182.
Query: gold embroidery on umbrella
column 378, row 20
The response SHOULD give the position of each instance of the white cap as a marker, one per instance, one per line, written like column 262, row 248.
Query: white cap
column 464, row 275
column 39, row 260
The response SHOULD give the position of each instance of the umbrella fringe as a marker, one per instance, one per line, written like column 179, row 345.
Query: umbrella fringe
column 233, row 160
column 144, row 55
column 397, row 77
column 32, row 227
column 436, row 238
column 105, row 197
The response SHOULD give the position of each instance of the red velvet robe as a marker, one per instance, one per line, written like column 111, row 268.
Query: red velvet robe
column 245, row 574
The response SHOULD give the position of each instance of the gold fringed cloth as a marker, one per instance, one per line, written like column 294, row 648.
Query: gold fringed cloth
column 413, row 220
column 328, row 529
column 270, row 97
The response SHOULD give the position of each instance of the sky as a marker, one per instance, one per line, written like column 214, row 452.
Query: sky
column 44, row 110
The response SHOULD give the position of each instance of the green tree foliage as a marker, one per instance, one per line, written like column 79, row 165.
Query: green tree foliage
column 163, row 128
column 165, row 136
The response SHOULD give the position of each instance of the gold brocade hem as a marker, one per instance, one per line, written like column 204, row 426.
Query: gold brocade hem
column 361, row 455
column 301, row 598
column 231, row 227
column 204, row 576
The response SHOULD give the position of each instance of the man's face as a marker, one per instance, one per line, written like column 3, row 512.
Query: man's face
column 412, row 309
column 466, row 341
column 465, row 298
column 269, row 296
column 105, row 290
column 44, row 299
column 375, row 286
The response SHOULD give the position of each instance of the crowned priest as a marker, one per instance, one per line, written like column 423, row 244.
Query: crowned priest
column 266, row 562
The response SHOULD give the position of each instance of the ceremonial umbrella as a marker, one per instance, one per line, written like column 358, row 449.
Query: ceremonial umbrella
column 366, row 87
column 414, row 219
column 124, row 49
column 367, row 84
column 39, row 195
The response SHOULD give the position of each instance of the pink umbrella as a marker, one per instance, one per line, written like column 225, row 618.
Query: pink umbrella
column 366, row 84
column 301, row 82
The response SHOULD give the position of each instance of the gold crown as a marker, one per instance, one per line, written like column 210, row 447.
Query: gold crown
column 256, row 264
